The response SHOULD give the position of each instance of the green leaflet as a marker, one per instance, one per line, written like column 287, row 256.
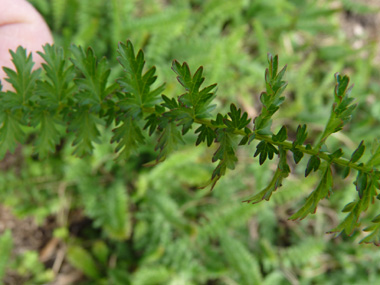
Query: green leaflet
column 265, row 149
column 237, row 120
column 84, row 124
column 225, row 154
column 313, row 164
column 177, row 113
column 194, row 98
column 93, row 85
column 23, row 80
column 15, row 105
column 48, row 136
column 322, row 191
column 50, row 95
column 114, row 216
column 223, row 134
column 83, row 261
column 282, row 172
column 374, row 237
column 129, row 137
column 300, row 135
column 10, row 133
column 375, row 154
column 342, row 109
column 135, row 82
column 281, row 135
column 241, row 260
column 58, row 84
column 271, row 99
column 357, row 154
column 205, row 134
column 351, row 222
column 101, row 251
column 168, row 140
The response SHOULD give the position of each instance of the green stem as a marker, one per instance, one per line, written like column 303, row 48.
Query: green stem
column 288, row 145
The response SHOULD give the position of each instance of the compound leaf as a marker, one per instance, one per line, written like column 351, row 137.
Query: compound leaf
column 23, row 79
column 93, row 82
column 205, row 134
column 236, row 120
column 57, row 86
column 322, row 191
column 282, row 172
column 10, row 133
column 48, row 136
column 84, row 124
column 265, row 149
column 135, row 82
column 128, row 136
column 355, row 208
column 313, row 164
column 225, row 154
column 194, row 98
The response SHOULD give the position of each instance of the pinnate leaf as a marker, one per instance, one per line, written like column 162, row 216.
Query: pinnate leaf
column 10, row 133
column 322, row 191
column 265, row 150
column 57, row 86
column 355, row 208
column 301, row 135
column 82, row 260
column 84, row 124
column 282, row 172
column 225, row 154
column 93, row 82
column 313, row 164
column 374, row 236
column 128, row 136
column 198, row 100
column 23, row 79
column 361, row 182
column 236, row 120
column 48, row 136
column 137, row 84
column 169, row 139
column 271, row 99
column 205, row 134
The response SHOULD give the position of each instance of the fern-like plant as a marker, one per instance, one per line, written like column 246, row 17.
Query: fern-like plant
column 72, row 93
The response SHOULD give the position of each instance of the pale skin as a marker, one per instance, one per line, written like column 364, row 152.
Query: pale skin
column 20, row 25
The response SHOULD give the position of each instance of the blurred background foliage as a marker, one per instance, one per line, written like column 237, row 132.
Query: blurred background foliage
column 118, row 222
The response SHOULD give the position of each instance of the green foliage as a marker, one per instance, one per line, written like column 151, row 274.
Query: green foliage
column 28, row 264
column 282, row 172
column 323, row 190
column 133, row 100
column 82, row 260
column 240, row 260
column 271, row 99
column 6, row 245
column 135, row 83
column 196, row 100
column 156, row 226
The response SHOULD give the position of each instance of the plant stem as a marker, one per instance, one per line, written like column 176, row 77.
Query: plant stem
column 288, row 145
